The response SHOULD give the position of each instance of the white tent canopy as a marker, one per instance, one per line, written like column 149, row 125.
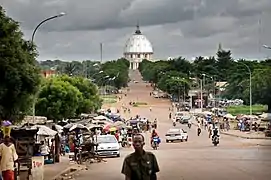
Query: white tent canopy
column 207, row 113
column 59, row 128
column 229, row 116
column 100, row 118
column 44, row 130
column 266, row 116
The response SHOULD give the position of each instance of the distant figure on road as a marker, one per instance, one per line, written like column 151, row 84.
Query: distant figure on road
column 140, row 165
column 150, row 109
column 199, row 128
column 155, row 123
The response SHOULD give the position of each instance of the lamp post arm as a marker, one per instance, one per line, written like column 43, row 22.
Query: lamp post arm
column 37, row 27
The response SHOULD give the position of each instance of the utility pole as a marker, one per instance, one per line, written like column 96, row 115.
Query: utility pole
column 214, row 90
column 201, row 96
column 184, row 93
column 101, row 51
column 179, row 99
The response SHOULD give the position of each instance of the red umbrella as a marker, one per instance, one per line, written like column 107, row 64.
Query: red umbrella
column 107, row 127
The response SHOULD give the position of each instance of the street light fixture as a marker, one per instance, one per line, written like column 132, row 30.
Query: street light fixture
column 96, row 74
column 107, row 81
column 32, row 42
column 266, row 46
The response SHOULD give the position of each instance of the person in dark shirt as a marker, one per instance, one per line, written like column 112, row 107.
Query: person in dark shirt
column 140, row 165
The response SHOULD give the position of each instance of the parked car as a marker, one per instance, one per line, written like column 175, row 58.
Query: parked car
column 176, row 135
column 108, row 145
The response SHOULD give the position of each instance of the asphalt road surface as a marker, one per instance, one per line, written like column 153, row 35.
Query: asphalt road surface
column 197, row 159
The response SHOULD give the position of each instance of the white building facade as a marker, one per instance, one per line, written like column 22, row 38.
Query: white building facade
column 137, row 48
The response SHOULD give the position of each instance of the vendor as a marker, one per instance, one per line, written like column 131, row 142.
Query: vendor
column 44, row 149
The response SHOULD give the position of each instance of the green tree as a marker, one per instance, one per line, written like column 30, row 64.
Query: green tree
column 181, row 64
column 58, row 99
column 261, row 87
column 91, row 100
column 224, row 64
column 19, row 73
column 119, row 70
column 204, row 66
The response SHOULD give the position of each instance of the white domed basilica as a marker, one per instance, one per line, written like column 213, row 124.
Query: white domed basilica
column 137, row 48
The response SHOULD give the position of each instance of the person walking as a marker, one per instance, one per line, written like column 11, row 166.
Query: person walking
column 8, row 158
column 140, row 165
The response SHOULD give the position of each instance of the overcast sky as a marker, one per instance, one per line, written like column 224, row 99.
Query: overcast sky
column 186, row 28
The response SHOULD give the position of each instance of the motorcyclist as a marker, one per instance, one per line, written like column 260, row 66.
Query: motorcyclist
column 154, row 134
column 215, row 132
column 123, row 134
column 189, row 123
column 174, row 121
column 155, row 123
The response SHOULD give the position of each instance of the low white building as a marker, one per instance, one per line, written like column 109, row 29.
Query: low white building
column 137, row 48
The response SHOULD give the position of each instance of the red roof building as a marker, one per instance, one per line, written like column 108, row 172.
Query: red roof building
column 48, row 73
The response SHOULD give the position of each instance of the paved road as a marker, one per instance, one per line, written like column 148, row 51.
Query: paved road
column 233, row 159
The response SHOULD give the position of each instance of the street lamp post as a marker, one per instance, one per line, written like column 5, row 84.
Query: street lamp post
column 32, row 42
column 201, row 96
column 250, row 88
column 109, row 82
column 204, row 77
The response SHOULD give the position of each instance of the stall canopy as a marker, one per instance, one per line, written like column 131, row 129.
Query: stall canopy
column 44, row 130
column 266, row 116
column 78, row 126
column 101, row 117
column 229, row 116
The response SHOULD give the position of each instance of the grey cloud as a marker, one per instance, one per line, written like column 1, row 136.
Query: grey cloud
column 175, row 27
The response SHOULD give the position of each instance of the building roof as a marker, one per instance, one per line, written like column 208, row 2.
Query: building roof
column 138, row 43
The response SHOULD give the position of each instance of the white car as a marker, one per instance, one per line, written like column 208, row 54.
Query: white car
column 176, row 135
column 107, row 145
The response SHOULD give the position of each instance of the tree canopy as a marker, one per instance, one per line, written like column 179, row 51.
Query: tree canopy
column 19, row 73
column 63, row 97
column 179, row 75
column 116, row 70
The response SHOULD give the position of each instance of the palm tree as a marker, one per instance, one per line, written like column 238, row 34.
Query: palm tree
column 70, row 69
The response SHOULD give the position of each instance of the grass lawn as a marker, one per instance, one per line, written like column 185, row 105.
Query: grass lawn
column 109, row 99
column 235, row 110
column 140, row 104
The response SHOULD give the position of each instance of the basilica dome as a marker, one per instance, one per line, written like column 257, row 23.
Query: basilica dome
column 137, row 48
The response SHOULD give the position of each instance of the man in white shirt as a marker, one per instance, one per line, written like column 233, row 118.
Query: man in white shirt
column 8, row 157
column 44, row 149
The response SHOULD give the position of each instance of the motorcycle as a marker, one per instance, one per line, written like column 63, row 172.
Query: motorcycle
column 130, row 141
column 78, row 157
column 124, row 142
column 155, row 142
column 199, row 131
column 215, row 140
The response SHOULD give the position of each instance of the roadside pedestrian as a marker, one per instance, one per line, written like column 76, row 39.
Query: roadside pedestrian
column 140, row 165
column 8, row 158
